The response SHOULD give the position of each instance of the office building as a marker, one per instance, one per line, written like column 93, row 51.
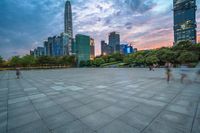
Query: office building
column 68, row 19
column 105, row 48
column 126, row 49
column 82, row 48
column 185, row 20
column 92, row 49
column 114, row 42
column 39, row 51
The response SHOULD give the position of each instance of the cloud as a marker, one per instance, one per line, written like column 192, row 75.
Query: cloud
column 25, row 24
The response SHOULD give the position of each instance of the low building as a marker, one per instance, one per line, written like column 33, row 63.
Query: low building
column 126, row 49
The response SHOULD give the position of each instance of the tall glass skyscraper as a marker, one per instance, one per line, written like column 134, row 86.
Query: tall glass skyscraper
column 185, row 20
column 114, row 41
column 68, row 19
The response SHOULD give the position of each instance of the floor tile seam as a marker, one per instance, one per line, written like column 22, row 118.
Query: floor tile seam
column 117, row 118
column 65, row 110
column 36, row 109
column 163, row 109
column 7, row 104
column 194, row 117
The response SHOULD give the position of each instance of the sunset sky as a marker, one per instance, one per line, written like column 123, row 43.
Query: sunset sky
column 25, row 24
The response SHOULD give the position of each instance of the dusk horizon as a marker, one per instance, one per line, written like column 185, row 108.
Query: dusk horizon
column 146, row 24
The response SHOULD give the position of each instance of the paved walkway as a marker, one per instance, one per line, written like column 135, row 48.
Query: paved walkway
column 97, row 101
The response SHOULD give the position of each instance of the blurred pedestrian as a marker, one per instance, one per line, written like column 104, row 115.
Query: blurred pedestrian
column 168, row 72
column 183, row 72
column 198, row 72
column 18, row 73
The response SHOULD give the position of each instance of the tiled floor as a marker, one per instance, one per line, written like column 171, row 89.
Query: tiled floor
column 97, row 101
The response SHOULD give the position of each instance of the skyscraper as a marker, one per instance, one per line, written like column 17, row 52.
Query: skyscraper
column 114, row 41
column 185, row 20
column 68, row 19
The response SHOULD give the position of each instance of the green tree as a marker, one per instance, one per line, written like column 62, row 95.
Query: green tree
column 82, row 63
column 15, row 61
column 150, row 60
column 46, row 60
column 188, row 57
column 28, row 60
column 128, row 60
column 117, row 56
column 98, row 62
column 1, row 61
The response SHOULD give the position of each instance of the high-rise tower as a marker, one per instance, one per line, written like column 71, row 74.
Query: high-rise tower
column 114, row 41
column 185, row 20
column 68, row 19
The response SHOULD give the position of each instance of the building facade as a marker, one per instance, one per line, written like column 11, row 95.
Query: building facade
column 57, row 45
column 114, row 41
column 185, row 20
column 126, row 49
column 105, row 48
column 68, row 19
column 39, row 51
column 92, row 49
column 82, row 48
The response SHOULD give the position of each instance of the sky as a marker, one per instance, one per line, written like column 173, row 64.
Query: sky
column 147, row 24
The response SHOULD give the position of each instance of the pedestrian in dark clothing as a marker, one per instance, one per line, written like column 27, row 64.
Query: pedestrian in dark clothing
column 18, row 73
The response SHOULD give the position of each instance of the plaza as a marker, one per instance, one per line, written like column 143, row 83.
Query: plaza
column 101, row 100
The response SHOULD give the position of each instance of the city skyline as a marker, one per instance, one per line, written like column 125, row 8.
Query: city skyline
column 139, row 24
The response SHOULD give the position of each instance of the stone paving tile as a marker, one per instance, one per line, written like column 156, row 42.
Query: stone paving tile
column 22, row 120
column 148, row 110
column 115, row 111
column 196, row 126
column 49, row 111
column 177, row 119
column 33, row 127
column 16, row 100
column 118, row 127
column 198, row 112
column 136, row 120
column 98, row 105
column 3, row 126
column 190, row 111
column 164, row 127
column 20, row 111
column 105, row 100
column 45, row 104
column 81, row 111
column 74, row 127
column 96, row 120
column 71, row 104
column 59, row 120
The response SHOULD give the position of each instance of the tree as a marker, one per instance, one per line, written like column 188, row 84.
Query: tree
column 98, row 62
column 15, row 61
column 188, row 57
column 128, row 60
column 150, row 60
column 46, row 60
column 117, row 56
column 82, row 63
column 28, row 60
column 1, row 61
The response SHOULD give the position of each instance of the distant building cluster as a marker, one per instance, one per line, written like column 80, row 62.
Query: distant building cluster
column 83, row 46
column 114, row 46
